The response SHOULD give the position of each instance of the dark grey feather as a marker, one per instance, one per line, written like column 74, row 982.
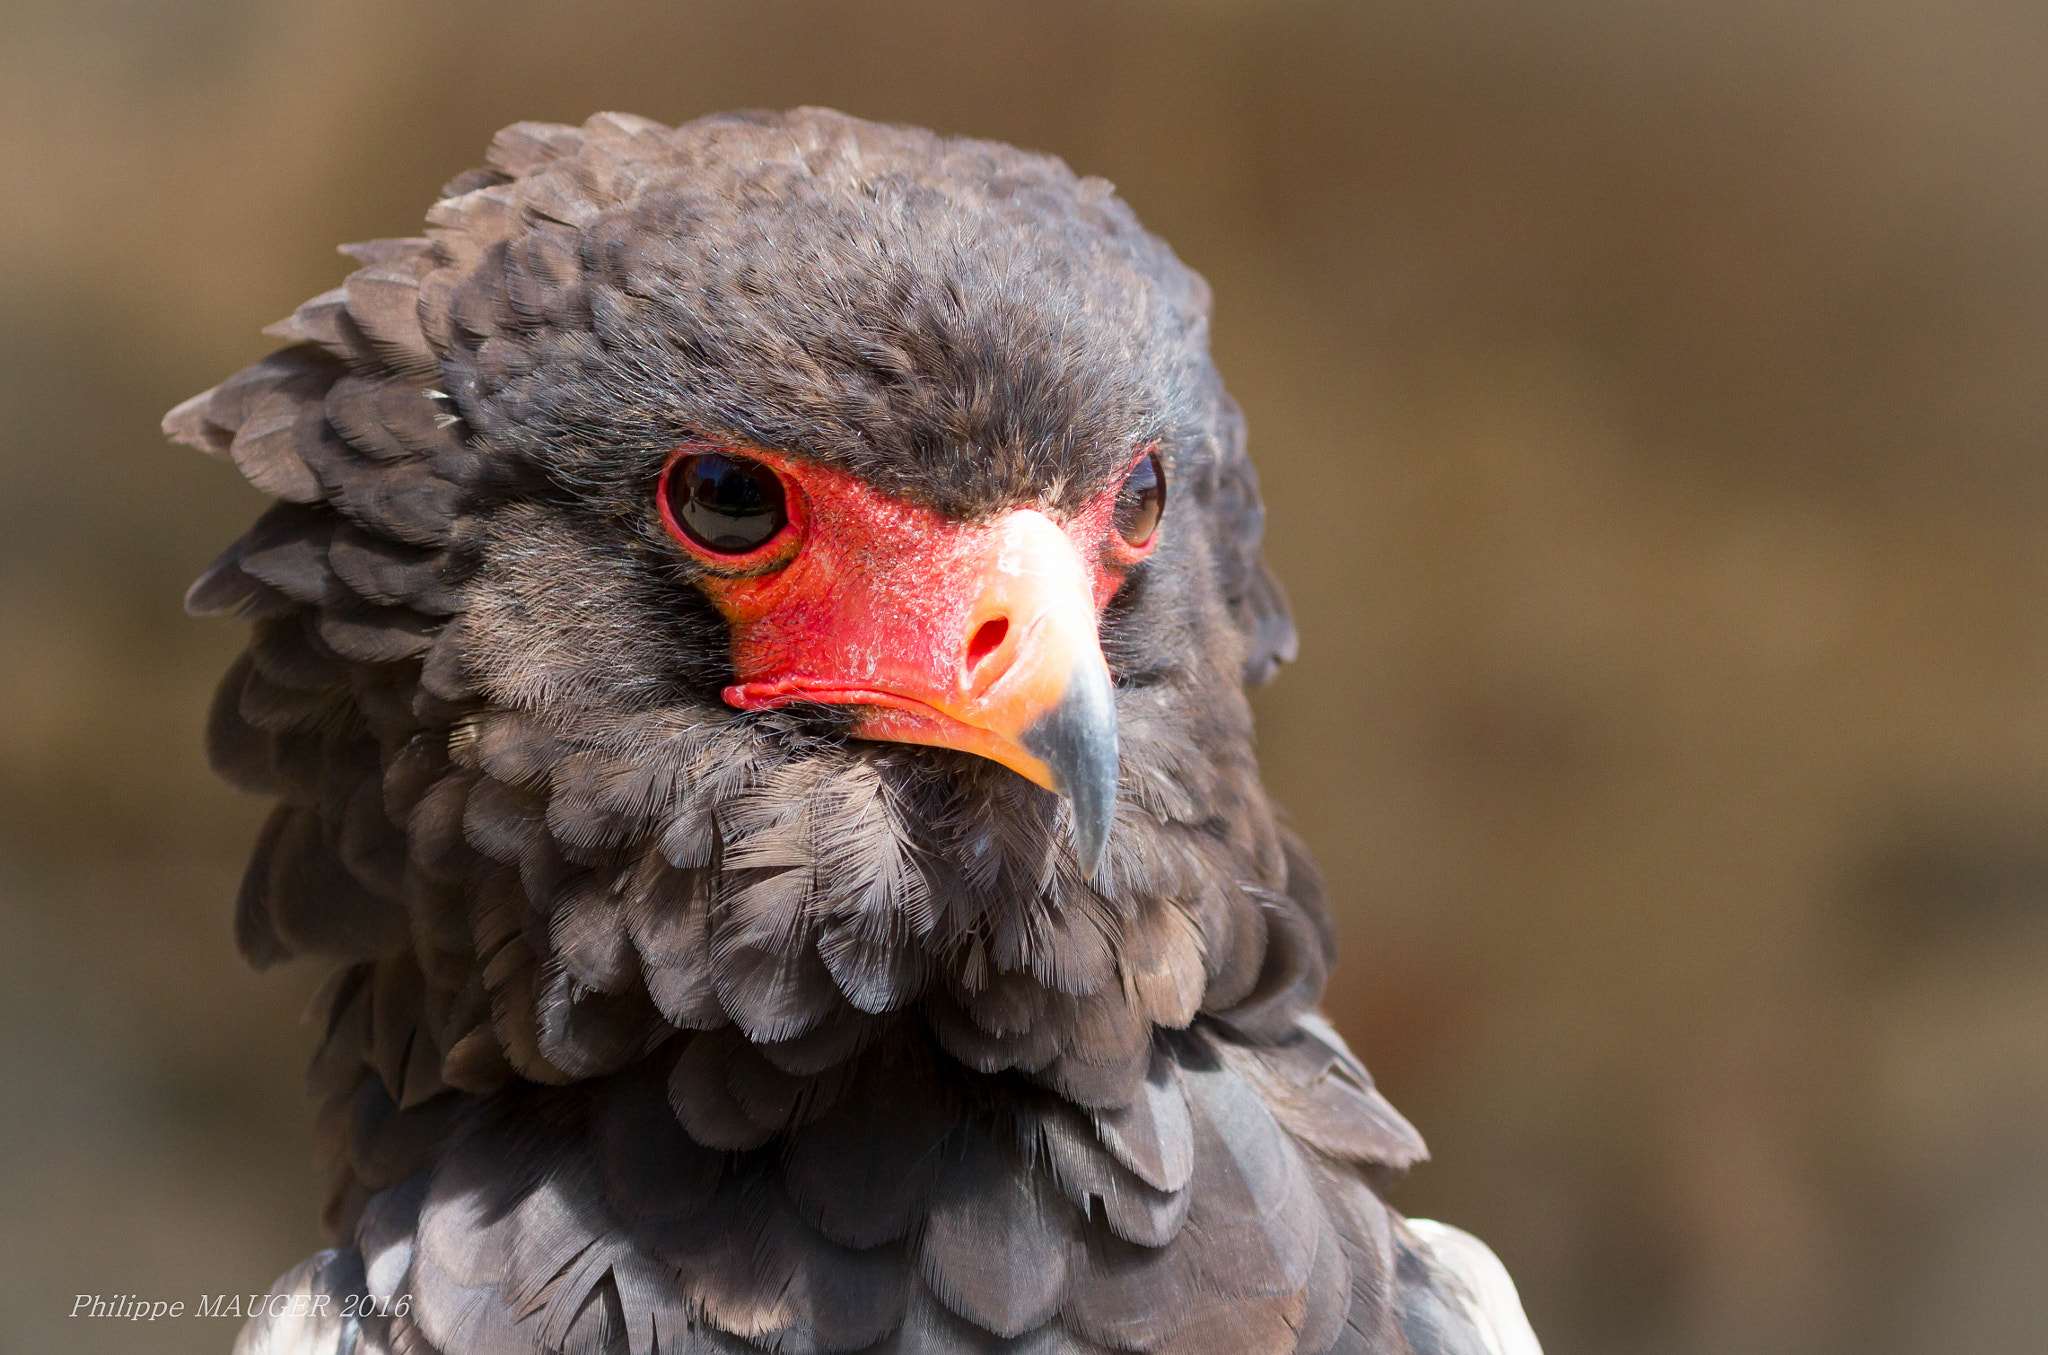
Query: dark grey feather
column 997, row 1240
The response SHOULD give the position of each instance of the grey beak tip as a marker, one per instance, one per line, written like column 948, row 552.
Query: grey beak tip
column 1076, row 739
column 1089, row 842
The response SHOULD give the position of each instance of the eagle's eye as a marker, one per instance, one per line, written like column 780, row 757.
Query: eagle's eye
column 1141, row 501
column 724, row 503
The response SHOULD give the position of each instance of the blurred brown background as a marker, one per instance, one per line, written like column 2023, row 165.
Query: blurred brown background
column 1650, row 402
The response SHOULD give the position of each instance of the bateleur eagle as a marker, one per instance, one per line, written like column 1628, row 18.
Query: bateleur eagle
column 750, row 654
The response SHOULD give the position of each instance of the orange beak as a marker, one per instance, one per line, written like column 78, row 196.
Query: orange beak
column 976, row 637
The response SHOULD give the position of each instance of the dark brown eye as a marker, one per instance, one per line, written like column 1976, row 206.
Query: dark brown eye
column 1140, row 502
column 724, row 503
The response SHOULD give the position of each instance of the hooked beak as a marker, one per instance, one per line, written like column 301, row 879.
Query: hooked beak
column 982, row 639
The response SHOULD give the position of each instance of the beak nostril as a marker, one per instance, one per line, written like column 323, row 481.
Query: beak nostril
column 988, row 638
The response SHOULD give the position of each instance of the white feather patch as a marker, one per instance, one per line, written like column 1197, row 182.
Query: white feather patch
column 1488, row 1295
column 302, row 1315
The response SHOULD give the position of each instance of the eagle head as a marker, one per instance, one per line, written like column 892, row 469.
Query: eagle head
column 767, row 576
column 750, row 655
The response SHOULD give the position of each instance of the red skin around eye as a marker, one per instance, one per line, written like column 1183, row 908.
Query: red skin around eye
column 860, row 585
column 980, row 637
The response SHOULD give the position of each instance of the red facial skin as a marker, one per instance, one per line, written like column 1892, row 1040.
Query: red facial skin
column 951, row 634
